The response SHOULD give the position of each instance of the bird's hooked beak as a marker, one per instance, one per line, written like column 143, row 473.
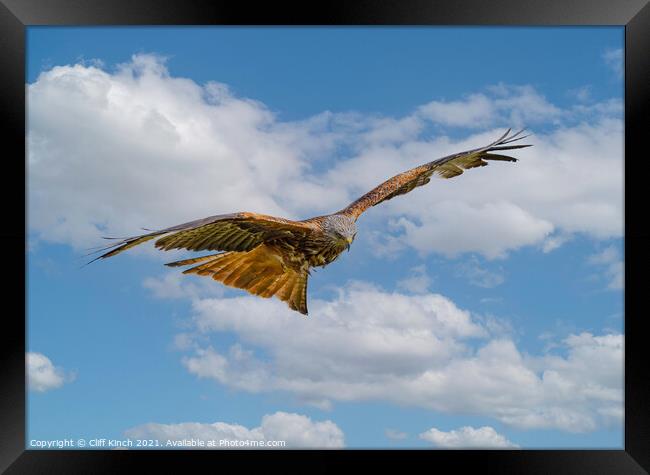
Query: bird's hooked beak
column 349, row 241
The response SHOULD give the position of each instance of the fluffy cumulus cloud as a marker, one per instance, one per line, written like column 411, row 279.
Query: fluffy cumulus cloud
column 42, row 375
column 518, row 105
column 467, row 437
column 297, row 431
column 114, row 151
column 111, row 151
column 419, row 350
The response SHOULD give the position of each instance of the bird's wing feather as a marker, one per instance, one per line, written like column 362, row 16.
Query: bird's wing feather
column 446, row 167
column 227, row 232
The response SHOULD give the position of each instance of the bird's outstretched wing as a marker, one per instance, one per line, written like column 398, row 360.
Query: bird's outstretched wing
column 225, row 232
column 446, row 167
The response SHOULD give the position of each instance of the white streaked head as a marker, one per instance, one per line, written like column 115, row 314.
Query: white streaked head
column 340, row 227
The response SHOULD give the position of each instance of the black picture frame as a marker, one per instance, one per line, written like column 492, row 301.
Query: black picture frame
column 634, row 15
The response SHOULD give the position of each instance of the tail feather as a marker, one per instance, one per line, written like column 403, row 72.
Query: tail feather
column 237, row 271
column 212, row 263
column 245, row 280
column 298, row 298
column 284, row 291
column 278, row 285
column 260, row 286
column 260, row 272
column 248, row 274
column 224, row 271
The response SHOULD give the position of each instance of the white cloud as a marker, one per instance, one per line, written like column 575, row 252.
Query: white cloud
column 184, row 341
column 614, row 60
column 296, row 430
column 43, row 375
column 553, row 242
column 418, row 282
column 503, row 207
column 592, row 371
column 610, row 260
column 491, row 300
column 467, row 437
column 175, row 285
column 583, row 93
column 475, row 111
column 177, row 150
column 394, row 434
column 524, row 105
column 402, row 334
column 515, row 105
column 452, row 228
column 415, row 350
column 387, row 130
column 479, row 276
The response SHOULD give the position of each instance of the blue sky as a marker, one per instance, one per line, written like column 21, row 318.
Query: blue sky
column 480, row 311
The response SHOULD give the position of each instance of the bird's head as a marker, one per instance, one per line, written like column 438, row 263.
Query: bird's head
column 340, row 228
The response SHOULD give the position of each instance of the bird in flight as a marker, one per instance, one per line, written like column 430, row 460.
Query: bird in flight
column 269, row 256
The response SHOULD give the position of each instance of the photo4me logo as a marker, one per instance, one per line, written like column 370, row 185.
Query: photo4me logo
column 223, row 443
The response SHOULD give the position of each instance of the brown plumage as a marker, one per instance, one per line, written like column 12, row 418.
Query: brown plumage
column 269, row 256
